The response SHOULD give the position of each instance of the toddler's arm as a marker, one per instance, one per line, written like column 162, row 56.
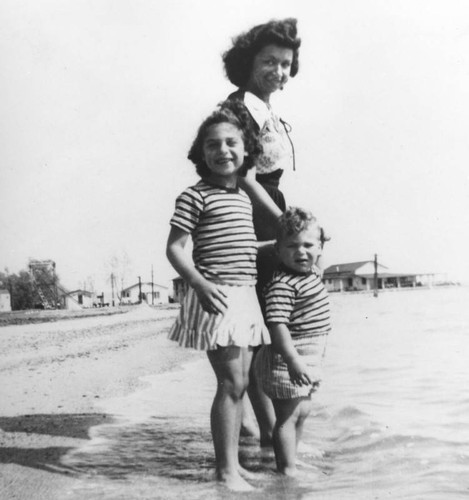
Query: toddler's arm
column 282, row 344
column 211, row 297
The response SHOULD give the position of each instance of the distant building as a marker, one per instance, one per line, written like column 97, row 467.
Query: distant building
column 179, row 289
column 356, row 276
column 152, row 295
column 5, row 301
column 78, row 299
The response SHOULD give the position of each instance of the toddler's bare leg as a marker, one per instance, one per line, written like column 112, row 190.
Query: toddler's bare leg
column 304, row 411
column 291, row 415
column 231, row 367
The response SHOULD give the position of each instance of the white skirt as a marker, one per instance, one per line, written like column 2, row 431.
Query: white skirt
column 240, row 325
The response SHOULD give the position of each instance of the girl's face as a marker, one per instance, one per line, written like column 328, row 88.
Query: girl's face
column 270, row 70
column 300, row 251
column 223, row 150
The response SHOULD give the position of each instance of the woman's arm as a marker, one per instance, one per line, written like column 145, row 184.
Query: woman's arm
column 266, row 246
column 259, row 195
column 283, row 344
column 211, row 297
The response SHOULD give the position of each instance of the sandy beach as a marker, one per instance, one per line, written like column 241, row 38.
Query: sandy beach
column 54, row 376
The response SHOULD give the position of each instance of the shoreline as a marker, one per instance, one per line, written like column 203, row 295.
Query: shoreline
column 397, row 289
column 54, row 377
column 28, row 316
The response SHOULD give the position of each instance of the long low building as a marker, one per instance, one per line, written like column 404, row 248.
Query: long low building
column 77, row 299
column 355, row 276
column 148, row 292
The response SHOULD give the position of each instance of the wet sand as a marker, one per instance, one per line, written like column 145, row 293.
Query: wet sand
column 52, row 378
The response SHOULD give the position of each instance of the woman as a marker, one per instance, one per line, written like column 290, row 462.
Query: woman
column 259, row 63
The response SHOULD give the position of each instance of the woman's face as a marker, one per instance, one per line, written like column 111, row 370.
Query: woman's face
column 270, row 70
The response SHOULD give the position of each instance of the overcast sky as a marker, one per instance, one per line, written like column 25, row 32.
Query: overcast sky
column 100, row 101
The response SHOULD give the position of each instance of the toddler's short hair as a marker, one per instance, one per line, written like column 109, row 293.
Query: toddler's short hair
column 296, row 219
column 293, row 221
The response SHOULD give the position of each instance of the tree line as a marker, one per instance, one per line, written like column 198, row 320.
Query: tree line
column 22, row 290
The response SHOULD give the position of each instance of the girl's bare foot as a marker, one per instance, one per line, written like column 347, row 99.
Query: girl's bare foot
column 288, row 471
column 246, row 473
column 235, row 482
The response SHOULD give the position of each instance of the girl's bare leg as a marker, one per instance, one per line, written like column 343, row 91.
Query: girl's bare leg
column 231, row 367
column 291, row 415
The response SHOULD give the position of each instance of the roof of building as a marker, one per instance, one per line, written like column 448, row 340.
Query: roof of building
column 350, row 267
column 144, row 283
column 389, row 275
column 80, row 292
column 4, row 292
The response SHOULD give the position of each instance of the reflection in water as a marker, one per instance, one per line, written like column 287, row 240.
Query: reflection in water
column 158, row 447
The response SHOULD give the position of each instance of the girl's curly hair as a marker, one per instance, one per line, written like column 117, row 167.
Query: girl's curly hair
column 236, row 113
column 238, row 60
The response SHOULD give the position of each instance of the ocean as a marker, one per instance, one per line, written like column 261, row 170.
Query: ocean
column 390, row 421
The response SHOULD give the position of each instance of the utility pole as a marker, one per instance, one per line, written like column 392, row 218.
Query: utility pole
column 375, row 284
column 152, row 292
column 112, row 288
column 56, row 290
column 10, row 287
column 139, row 290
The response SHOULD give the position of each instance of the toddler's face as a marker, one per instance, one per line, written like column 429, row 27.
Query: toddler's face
column 301, row 251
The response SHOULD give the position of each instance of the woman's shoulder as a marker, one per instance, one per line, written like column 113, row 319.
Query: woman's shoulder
column 257, row 108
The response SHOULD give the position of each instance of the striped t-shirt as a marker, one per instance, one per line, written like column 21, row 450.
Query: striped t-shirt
column 220, row 222
column 299, row 301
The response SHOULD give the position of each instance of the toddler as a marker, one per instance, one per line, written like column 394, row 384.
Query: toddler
column 297, row 315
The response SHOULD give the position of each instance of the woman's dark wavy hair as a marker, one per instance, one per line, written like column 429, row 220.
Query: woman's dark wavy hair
column 238, row 60
column 236, row 113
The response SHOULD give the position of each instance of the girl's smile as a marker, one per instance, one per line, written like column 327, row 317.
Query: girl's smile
column 224, row 152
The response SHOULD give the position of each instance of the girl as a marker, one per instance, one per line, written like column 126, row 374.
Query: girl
column 220, row 312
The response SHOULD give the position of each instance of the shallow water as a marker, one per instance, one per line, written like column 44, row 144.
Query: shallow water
column 391, row 418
